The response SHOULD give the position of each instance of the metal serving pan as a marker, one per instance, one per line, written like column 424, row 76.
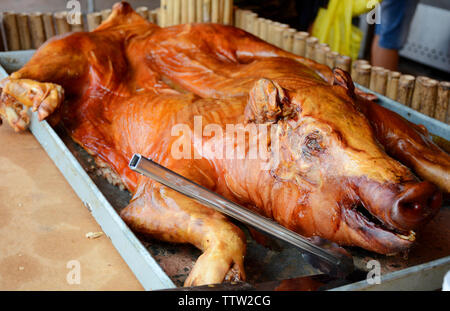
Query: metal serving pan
column 158, row 265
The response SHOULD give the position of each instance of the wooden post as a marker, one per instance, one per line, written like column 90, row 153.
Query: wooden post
column 2, row 46
column 278, row 34
column 405, row 89
column 78, row 27
column 11, row 31
column 375, row 69
column 429, row 97
column 392, row 84
column 191, row 11
column 206, row 11
column 299, row 46
column 164, row 17
column 49, row 26
column 176, row 17
column 37, row 29
column 442, row 103
column 251, row 21
column 105, row 14
column 228, row 12
column 153, row 16
column 343, row 62
column 184, row 11
column 355, row 64
column 142, row 11
column 93, row 20
column 215, row 11
column 168, row 11
column 381, row 81
column 237, row 18
column 288, row 39
column 362, row 74
column 24, row 31
column 418, row 92
column 331, row 59
column 310, row 47
column 62, row 26
column 320, row 53
column 199, row 11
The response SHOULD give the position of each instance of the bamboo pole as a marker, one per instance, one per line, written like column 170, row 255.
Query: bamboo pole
column 215, row 4
column 362, row 74
column 381, row 81
column 93, row 20
column 24, row 32
column 221, row 12
column 176, row 17
column 429, row 97
column 11, row 31
column 288, row 39
column 62, row 26
column 105, row 14
column 250, row 22
column 331, row 59
column 405, row 89
column 78, row 27
column 418, row 93
column 343, row 62
column 442, row 103
column 191, row 11
column 206, row 11
column 310, row 47
column 299, row 46
column 169, row 12
column 49, row 25
column 37, row 29
column 392, row 84
column 237, row 18
column 184, row 11
column 278, row 34
column 374, row 71
column 153, row 16
column 320, row 54
column 228, row 12
column 355, row 64
column 142, row 11
column 2, row 46
column 199, row 11
column 163, row 14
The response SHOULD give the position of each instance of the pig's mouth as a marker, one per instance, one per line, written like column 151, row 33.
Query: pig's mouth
column 384, row 219
column 369, row 218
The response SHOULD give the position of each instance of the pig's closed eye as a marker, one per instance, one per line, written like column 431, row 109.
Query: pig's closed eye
column 313, row 144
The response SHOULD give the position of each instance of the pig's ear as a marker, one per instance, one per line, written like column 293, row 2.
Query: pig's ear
column 267, row 102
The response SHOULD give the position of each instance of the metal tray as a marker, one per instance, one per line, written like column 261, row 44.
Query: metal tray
column 159, row 265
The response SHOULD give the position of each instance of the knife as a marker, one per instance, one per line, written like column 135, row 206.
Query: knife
column 332, row 263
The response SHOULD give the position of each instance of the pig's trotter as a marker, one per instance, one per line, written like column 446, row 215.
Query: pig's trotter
column 44, row 98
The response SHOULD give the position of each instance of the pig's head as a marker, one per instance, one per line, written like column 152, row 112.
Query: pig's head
column 335, row 179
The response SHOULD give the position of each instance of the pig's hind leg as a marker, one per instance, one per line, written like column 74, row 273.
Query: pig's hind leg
column 164, row 214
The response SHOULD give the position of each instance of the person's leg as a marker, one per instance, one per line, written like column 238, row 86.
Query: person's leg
column 391, row 33
column 386, row 58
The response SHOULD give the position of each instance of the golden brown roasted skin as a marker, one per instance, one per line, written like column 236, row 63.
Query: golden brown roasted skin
column 220, row 61
column 121, row 98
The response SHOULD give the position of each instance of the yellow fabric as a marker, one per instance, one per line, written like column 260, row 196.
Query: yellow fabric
column 333, row 25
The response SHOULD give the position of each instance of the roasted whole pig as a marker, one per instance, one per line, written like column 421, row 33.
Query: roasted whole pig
column 130, row 87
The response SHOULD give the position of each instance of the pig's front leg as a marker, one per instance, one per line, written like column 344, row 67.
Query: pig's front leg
column 20, row 94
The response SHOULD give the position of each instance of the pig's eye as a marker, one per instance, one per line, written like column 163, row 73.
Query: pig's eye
column 313, row 144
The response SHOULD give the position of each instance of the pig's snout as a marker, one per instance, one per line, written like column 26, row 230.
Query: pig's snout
column 415, row 205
